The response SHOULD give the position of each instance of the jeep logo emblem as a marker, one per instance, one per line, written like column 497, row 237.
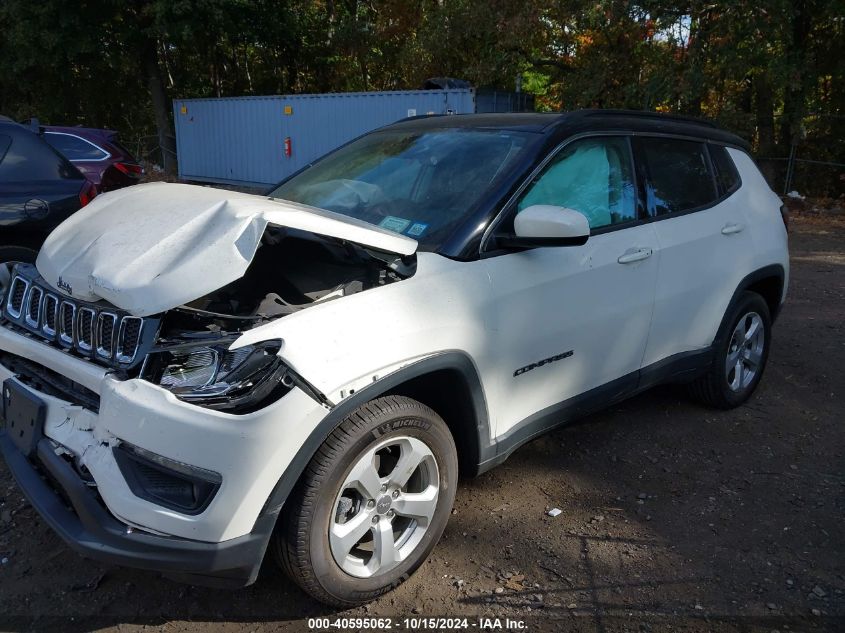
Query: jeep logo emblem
column 63, row 285
column 383, row 504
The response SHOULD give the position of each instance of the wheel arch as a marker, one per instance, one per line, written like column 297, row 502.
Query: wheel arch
column 453, row 394
column 768, row 282
column 448, row 382
column 769, row 285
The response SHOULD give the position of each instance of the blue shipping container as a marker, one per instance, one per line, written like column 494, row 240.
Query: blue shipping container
column 243, row 140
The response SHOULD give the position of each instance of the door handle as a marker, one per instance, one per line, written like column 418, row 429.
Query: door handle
column 730, row 228
column 634, row 255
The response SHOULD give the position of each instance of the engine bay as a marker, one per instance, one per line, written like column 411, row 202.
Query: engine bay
column 291, row 271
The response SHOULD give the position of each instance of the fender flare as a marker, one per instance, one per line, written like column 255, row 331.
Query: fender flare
column 773, row 270
column 450, row 360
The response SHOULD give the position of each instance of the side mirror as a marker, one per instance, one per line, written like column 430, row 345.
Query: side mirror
column 547, row 225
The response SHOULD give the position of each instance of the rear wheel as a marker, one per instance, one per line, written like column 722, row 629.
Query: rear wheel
column 372, row 503
column 741, row 352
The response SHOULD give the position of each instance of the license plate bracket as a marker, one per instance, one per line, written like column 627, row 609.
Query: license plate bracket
column 24, row 414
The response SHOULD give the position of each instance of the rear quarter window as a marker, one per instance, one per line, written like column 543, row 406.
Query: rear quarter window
column 678, row 175
column 727, row 176
column 73, row 147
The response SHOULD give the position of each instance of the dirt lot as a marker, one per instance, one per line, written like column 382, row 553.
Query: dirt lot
column 674, row 517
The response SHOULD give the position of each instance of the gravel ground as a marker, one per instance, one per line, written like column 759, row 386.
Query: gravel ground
column 674, row 517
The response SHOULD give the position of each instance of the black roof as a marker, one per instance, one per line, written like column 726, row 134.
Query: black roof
column 526, row 122
column 565, row 124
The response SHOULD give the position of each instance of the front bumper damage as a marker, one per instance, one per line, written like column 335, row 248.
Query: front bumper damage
column 88, row 528
column 74, row 481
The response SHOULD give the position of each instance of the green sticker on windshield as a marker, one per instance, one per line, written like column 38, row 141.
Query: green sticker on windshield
column 393, row 223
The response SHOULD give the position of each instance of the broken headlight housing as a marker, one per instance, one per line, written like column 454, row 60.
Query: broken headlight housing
column 216, row 377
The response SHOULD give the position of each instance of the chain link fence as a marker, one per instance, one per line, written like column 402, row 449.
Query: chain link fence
column 814, row 178
column 811, row 162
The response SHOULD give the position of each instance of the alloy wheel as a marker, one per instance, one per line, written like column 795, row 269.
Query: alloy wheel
column 745, row 352
column 384, row 507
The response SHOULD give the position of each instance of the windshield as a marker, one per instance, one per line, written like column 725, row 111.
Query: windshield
column 418, row 183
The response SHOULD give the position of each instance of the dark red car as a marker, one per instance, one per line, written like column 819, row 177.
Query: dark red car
column 97, row 154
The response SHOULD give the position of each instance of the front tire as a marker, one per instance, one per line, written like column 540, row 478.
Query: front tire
column 741, row 351
column 371, row 505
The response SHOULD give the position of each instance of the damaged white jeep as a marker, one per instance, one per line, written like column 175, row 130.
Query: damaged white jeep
column 194, row 378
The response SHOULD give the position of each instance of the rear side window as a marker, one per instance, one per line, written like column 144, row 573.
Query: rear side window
column 678, row 176
column 28, row 158
column 727, row 177
column 73, row 147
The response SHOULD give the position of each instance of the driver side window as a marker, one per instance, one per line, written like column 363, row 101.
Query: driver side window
column 593, row 176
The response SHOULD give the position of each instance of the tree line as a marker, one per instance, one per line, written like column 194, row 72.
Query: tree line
column 772, row 71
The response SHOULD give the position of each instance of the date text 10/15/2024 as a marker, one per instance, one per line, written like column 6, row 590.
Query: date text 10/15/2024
column 415, row 624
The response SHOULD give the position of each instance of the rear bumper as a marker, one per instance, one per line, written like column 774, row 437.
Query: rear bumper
column 93, row 532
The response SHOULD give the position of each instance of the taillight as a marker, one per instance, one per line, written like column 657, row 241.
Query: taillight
column 784, row 215
column 89, row 191
column 130, row 169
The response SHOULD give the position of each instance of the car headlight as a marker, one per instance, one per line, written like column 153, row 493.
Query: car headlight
column 216, row 377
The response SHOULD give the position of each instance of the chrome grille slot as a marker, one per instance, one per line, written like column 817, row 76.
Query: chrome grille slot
column 129, row 336
column 106, row 330
column 92, row 329
column 50, row 315
column 85, row 329
column 17, row 292
column 67, row 318
column 33, row 306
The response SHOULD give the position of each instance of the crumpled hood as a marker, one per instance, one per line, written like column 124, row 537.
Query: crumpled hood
column 149, row 248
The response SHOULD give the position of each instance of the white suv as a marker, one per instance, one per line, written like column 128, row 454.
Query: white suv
column 203, row 375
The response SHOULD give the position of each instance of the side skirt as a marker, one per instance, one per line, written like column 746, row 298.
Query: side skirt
column 682, row 367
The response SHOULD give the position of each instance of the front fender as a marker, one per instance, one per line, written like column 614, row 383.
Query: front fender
column 449, row 360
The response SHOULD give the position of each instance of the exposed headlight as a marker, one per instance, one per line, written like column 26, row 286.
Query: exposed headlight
column 214, row 376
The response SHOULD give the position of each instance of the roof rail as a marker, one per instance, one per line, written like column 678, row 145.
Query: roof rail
column 647, row 114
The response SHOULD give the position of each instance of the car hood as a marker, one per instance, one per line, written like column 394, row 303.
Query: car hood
column 152, row 247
